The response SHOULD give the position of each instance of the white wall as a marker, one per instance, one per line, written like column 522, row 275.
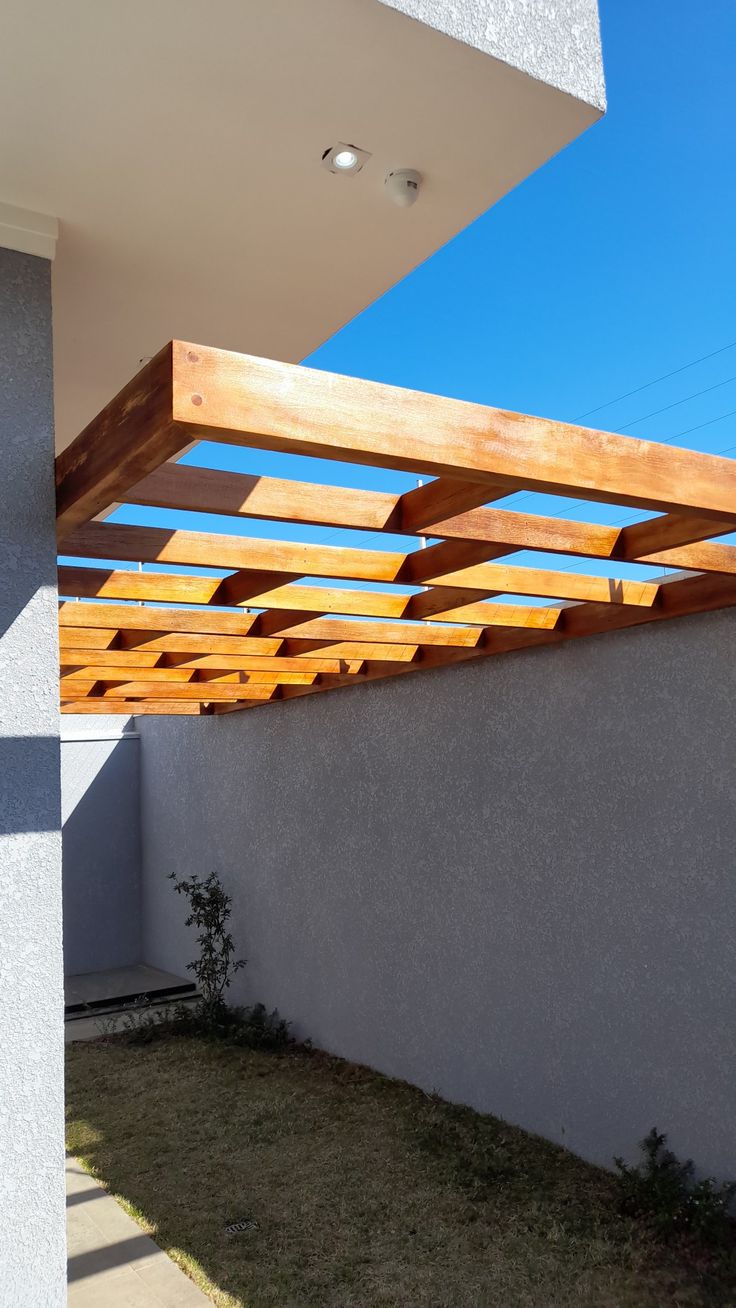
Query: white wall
column 512, row 881
column 100, row 810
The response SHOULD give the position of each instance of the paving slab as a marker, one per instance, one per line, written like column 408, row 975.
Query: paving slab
column 112, row 1263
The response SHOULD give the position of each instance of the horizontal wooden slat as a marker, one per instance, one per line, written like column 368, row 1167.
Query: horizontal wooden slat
column 76, row 657
column 107, row 672
column 106, row 540
column 137, row 618
column 224, row 396
column 158, row 707
column 208, row 490
column 425, row 634
column 99, row 638
column 242, row 663
column 660, row 541
column 203, row 691
column 95, row 583
column 555, row 585
column 421, row 507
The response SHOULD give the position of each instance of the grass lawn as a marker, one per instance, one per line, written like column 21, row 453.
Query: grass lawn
column 366, row 1192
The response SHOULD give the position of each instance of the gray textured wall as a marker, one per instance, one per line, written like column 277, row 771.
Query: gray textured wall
column 558, row 43
column 511, row 881
column 100, row 807
column 32, row 1245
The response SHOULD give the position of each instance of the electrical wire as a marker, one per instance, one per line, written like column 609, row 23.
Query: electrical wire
column 655, row 382
column 675, row 404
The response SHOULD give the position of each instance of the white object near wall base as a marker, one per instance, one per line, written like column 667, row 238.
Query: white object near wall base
column 28, row 232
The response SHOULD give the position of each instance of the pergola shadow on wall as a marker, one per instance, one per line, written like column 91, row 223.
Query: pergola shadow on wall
column 256, row 621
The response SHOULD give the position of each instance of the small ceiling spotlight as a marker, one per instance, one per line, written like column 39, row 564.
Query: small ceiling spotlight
column 343, row 158
column 402, row 186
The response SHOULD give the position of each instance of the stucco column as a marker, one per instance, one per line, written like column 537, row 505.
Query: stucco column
column 32, row 1239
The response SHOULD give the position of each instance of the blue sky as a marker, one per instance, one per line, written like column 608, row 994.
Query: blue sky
column 611, row 266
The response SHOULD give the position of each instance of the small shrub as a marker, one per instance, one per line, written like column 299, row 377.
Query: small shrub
column 212, row 1017
column 210, row 909
column 256, row 1028
column 662, row 1193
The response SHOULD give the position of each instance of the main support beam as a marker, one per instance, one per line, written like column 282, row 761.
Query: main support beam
column 134, row 434
column 219, row 395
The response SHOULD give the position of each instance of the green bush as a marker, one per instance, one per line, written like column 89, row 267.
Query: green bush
column 663, row 1194
column 211, row 1017
column 210, row 908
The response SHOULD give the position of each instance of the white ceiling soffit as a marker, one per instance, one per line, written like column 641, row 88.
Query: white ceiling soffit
column 179, row 145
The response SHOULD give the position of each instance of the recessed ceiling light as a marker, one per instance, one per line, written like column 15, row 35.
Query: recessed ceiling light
column 344, row 158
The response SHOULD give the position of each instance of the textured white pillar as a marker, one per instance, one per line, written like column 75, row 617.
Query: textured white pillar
column 32, row 1238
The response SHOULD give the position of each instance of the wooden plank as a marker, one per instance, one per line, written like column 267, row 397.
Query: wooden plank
column 106, row 673
column 97, row 638
column 431, row 603
column 345, row 652
column 208, row 490
column 330, row 629
column 257, row 678
column 669, row 532
column 189, row 644
column 93, row 583
column 132, row 435
column 442, row 498
column 109, row 540
column 107, row 706
column 532, row 531
column 483, row 614
column 276, row 406
column 449, row 556
column 307, row 663
column 133, row 617
column 76, row 657
column 660, row 541
column 543, row 583
column 323, row 599
column 203, row 691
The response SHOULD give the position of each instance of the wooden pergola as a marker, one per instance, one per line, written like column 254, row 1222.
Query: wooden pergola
column 164, row 642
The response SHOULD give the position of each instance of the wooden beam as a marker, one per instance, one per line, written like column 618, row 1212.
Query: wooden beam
column 132, row 435
column 104, row 672
column 236, row 398
column 95, row 583
column 75, row 657
column 201, row 690
column 330, row 629
column 662, row 541
column 421, row 507
column 136, row 618
column 107, row 540
column 236, row 494
column 183, row 644
column 307, row 663
column 556, row 585
column 107, row 706
column 97, row 638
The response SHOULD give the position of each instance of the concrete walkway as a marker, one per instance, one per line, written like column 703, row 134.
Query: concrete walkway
column 112, row 1264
